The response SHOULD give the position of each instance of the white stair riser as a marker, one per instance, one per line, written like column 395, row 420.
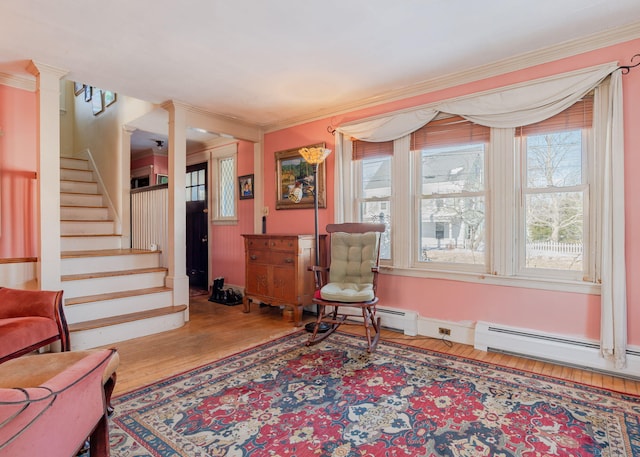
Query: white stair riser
column 117, row 306
column 86, row 227
column 103, row 336
column 76, row 175
column 79, row 265
column 84, row 243
column 106, row 285
column 81, row 199
column 79, row 187
column 83, row 213
column 76, row 164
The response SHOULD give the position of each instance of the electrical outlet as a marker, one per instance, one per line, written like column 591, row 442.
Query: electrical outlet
column 444, row 331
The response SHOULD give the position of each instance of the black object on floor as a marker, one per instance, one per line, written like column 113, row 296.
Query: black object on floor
column 224, row 296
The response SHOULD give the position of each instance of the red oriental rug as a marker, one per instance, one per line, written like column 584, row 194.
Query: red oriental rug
column 285, row 399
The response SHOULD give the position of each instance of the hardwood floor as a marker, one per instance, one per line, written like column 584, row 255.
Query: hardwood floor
column 215, row 331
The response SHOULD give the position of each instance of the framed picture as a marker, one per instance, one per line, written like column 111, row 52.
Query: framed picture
column 97, row 102
column 245, row 184
column 162, row 179
column 78, row 88
column 87, row 93
column 109, row 98
column 295, row 182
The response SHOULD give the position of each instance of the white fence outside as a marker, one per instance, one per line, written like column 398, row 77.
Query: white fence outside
column 552, row 247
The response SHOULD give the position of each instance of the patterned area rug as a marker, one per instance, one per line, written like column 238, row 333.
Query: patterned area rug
column 334, row 399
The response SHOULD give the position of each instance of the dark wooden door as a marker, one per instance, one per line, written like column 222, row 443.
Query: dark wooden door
column 197, row 226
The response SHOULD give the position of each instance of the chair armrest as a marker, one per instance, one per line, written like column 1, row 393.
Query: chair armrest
column 43, row 303
column 318, row 275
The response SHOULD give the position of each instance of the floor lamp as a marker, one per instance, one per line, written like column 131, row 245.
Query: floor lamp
column 315, row 156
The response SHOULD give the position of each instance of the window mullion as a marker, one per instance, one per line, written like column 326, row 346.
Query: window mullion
column 401, row 203
column 502, row 201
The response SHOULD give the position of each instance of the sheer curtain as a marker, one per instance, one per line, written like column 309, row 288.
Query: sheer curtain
column 528, row 103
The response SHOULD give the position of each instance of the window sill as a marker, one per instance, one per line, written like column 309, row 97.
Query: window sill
column 509, row 281
column 224, row 222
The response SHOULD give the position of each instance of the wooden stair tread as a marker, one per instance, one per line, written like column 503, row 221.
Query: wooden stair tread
column 106, row 274
column 84, row 235
column 122, row 319
column 104, row 253
column 83, row 206
column 93, row 194
column 86, row 220
column 78, row 180
column 114, row 295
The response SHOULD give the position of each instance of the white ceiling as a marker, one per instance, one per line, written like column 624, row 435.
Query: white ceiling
column 268, row 62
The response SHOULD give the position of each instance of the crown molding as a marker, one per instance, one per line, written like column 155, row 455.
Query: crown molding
column 558, row 51
column 18, row 82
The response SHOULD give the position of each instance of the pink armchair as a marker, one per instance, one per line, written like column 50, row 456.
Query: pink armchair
column 29, row 320
column 55, row 417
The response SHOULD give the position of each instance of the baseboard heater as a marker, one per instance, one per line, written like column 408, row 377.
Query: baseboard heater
column 396, row 319
column 574, row 352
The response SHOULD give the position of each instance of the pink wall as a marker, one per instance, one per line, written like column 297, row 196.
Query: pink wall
column 18, row 165
column 226, row 243
column 160, row 165
column 558, row 312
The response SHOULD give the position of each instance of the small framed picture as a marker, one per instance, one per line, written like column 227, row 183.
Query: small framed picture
column 97, row 102
column 87, row 93
column 78, row 88
column 245, row 184
column 109, row 98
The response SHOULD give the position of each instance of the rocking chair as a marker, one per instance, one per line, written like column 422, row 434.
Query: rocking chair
column 353, row 272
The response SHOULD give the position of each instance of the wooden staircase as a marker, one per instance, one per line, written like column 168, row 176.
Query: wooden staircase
column 111, row 293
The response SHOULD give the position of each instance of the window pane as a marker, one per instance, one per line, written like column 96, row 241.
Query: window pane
column 200, row 177
column 201, row 193
column 554, row 225
column 554, row 159
column 188, row 194
column 379, row 212
column 194, row 194
column 188, row 180
column 453, row 169
column 227, row 188
column 452, row 230
column 376, row 178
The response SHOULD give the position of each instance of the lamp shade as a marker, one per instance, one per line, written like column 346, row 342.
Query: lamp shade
column 314, row 156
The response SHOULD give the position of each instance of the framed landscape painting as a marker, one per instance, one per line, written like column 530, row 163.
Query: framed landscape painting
column 295, row 181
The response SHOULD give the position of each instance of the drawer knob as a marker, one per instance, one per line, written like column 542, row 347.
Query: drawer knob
column 288, row 260
column 253, row 257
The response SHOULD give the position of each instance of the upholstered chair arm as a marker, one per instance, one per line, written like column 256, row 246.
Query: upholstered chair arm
column 59, row 413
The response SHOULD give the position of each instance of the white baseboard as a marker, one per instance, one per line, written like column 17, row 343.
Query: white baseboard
column 460, row 332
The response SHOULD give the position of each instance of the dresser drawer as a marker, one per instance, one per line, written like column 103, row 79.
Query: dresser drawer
column 257, row 243
column 283, row 244
column 282, row 259
column 258, row 256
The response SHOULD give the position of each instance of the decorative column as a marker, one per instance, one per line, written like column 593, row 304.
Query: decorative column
column 48, row 153
column 176, row 251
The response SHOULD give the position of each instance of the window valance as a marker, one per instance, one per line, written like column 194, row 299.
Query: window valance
column 508, row 107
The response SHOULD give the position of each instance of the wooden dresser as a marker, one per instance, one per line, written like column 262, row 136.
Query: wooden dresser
column 276, row 270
